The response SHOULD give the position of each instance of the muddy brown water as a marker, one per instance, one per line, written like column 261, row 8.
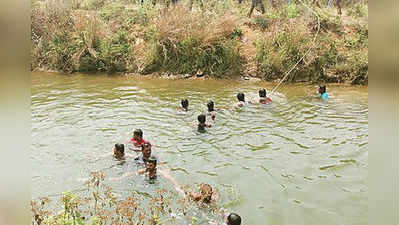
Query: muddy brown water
column 299, row 161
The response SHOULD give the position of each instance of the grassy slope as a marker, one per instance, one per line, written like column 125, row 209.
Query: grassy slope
column 216, row 39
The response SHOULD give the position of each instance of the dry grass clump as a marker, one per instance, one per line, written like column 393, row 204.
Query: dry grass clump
column 69, row 40
column 187, row 42
column 180, row 24
column 101, row 206
column 127, row 36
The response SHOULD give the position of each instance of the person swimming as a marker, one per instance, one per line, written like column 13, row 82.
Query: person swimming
column 241, row 101
column 146, row 153
column 323, row 92
column 119, row 151
column 184, row 105
column 204, row 195
column 211, row 109
column 263, row 99
column 151, row 171
column 137, row 140
column 150, row 168
column 202, row 123
column 233, row 219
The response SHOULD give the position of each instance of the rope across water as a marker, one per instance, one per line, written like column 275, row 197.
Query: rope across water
column 307, row 52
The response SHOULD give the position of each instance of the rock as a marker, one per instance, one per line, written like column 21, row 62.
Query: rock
column 185, row 76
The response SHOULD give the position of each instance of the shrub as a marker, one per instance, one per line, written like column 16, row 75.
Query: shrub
column 102, row 206
column 186, row 43
column 279, row 53
column 328, row 23
column 293, row 10
column 358, row 10
column 116, row 54
column 262, row 23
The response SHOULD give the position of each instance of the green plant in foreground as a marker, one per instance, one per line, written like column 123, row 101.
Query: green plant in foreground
column 102, row 207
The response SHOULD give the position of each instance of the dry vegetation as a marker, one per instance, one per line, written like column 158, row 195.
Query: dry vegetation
column 214, row 38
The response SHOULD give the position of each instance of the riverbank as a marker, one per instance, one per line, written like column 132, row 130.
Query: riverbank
column 215, row 39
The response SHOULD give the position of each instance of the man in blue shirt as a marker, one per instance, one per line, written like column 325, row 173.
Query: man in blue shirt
column 322, row 92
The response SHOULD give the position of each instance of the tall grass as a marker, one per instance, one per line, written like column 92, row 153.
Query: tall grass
column 130, row 37
column 186, row 42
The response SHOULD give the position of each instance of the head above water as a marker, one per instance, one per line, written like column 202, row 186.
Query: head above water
column 322, row 89
column 233, row 219
column 184, row 103
column 119, row 149
column 262, row 93
column 138, row 134
column 146, row 150
column 152, row 160
column 241, row 97
column 211, row 106
column 201, row 118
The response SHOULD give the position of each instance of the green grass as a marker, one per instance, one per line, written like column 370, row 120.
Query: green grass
column 117, row 36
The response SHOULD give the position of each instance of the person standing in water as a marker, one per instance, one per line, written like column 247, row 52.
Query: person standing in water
column 241, row 101
column 151, row 172
column 118, row 152
column 323, row 92
column 211, row 109
column 150, row 168
column 137, row 140
column 202, row 123
column 146, row 153
column 263, row 99
column 184, row 105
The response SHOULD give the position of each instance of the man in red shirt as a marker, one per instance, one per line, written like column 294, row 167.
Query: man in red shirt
column 263, row 99
column 138, row 139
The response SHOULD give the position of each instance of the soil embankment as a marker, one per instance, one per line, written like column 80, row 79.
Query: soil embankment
column 214, row 40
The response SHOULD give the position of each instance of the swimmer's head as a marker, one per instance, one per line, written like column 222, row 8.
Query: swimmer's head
column 262, row 93
column 119, row 150
column 233, row 219
column 211, row 106
column 151, row 163
column 241, row 97
column 138, row 134
column 206, row 192
column 184, row 104
column 146, row 150
column 322, row 89
column 201, row 118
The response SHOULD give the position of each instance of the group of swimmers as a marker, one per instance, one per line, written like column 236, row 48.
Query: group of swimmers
column 205, row 195
column 211, row 110
column 263, row 99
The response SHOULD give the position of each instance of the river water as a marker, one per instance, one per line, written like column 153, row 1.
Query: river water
column 299, row 161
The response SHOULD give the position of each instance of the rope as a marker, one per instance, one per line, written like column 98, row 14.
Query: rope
column 307, row 52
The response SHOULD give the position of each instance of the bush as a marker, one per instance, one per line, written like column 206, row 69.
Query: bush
column 358, row 10
column 186, row 42
column 278, row 54
column 102, row 206
column 116, row 54
column 262, row 23
column 293, row 10
column 188, row 56
column 328, row 23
